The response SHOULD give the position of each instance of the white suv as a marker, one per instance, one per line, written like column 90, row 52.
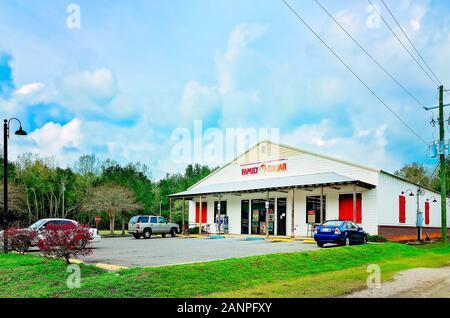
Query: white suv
column 147, row 225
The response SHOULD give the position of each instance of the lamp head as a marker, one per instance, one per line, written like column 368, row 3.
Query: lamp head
column 20, row 132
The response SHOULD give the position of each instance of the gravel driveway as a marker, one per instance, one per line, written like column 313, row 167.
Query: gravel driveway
column 127, row 251
column 412, row 283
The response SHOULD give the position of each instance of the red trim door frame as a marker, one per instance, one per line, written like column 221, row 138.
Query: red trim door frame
column 346, row 207
column 204, row 211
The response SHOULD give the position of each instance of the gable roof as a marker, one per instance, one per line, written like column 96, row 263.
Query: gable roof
column 287, row 151
column 258, row 185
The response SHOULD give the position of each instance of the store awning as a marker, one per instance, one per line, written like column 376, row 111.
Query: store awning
column 273, row 184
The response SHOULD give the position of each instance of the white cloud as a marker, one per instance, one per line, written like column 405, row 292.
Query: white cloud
column 418, row 12
column 56, row 140
column 368, row 147
column 30, row 88
column 238, row 40
column 89, row 89
column 200, row 101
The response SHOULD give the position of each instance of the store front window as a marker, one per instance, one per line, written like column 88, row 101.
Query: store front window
column 313, row 209
column 258, row 216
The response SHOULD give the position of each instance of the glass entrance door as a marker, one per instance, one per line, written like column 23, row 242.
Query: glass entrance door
column 221, row 220
column 281, row 216
column 259, row 225
column 245, row 207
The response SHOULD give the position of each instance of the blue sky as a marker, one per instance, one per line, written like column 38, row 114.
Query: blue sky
column 136, row 70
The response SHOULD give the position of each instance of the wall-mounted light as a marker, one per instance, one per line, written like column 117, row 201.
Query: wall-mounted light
column 432, row 197
column 411, row 194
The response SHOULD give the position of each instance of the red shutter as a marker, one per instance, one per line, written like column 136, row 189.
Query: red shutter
column 197, row 212
column 402, row 209
column 427, row 212
column 346, row 207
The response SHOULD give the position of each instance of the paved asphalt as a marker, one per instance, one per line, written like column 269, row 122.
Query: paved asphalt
column 158, row 251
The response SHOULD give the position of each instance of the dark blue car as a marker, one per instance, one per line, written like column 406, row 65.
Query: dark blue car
column 339, row 232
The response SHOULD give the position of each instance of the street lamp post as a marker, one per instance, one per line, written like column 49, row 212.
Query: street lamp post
column 20, row 132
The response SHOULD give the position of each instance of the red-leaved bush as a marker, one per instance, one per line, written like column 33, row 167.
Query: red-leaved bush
column 18, row 239
column 64, row 241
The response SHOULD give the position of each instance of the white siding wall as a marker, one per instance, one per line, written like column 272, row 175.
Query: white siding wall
column 389, row 190
column 300, row 164
column 332, row 208
column 380, row 206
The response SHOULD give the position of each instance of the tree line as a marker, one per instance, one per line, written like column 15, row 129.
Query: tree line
column 426, row 177
column 38, row 188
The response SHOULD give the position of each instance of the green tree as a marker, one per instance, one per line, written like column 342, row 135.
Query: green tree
column 112, row 199
column 88, row 165
column 173, row 183
column 416, row 173
column 135, row 177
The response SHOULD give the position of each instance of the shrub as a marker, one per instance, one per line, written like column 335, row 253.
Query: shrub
column 64, row 241
column 376, row 238
column 19, row 240
column 193, row 230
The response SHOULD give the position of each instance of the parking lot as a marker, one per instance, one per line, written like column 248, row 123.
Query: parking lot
column 127, row 251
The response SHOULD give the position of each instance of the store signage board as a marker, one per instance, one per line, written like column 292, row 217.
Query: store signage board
column 274, row 166
column 311, row 216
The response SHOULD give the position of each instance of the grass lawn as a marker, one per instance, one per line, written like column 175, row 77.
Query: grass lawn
column 319, row 273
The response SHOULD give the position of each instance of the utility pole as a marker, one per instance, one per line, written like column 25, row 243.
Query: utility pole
column 442, row 167
column 5, row 186
column 420, row 192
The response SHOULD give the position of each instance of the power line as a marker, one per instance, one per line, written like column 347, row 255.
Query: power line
column 369, row 55
column 412, row 44
column 351, row 71
column 406, row 49
column 409, row 40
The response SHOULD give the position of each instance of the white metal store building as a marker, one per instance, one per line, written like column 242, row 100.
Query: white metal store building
column 277, row 188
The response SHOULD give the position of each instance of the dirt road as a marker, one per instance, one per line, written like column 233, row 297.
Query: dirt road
column 415, row 283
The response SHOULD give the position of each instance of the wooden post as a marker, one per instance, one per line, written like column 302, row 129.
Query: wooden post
column 267, row 214
column 200, row 208
column 183, row 216
column 321, row 206
column 219, row 207
column 170, row 210
column 354, row 203
column 292, row 214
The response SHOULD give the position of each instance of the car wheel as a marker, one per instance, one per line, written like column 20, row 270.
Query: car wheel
column 365, row 239
column 173, row 232
column 163, row 235
column 347, row 241
column 320, row 244
column 81, row 244
column 20, row 247
column 147, row 233
column 137, row 236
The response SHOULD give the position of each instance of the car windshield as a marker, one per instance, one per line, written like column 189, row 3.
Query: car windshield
column 37, row 224
column 333, row 223
column 134, row 219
